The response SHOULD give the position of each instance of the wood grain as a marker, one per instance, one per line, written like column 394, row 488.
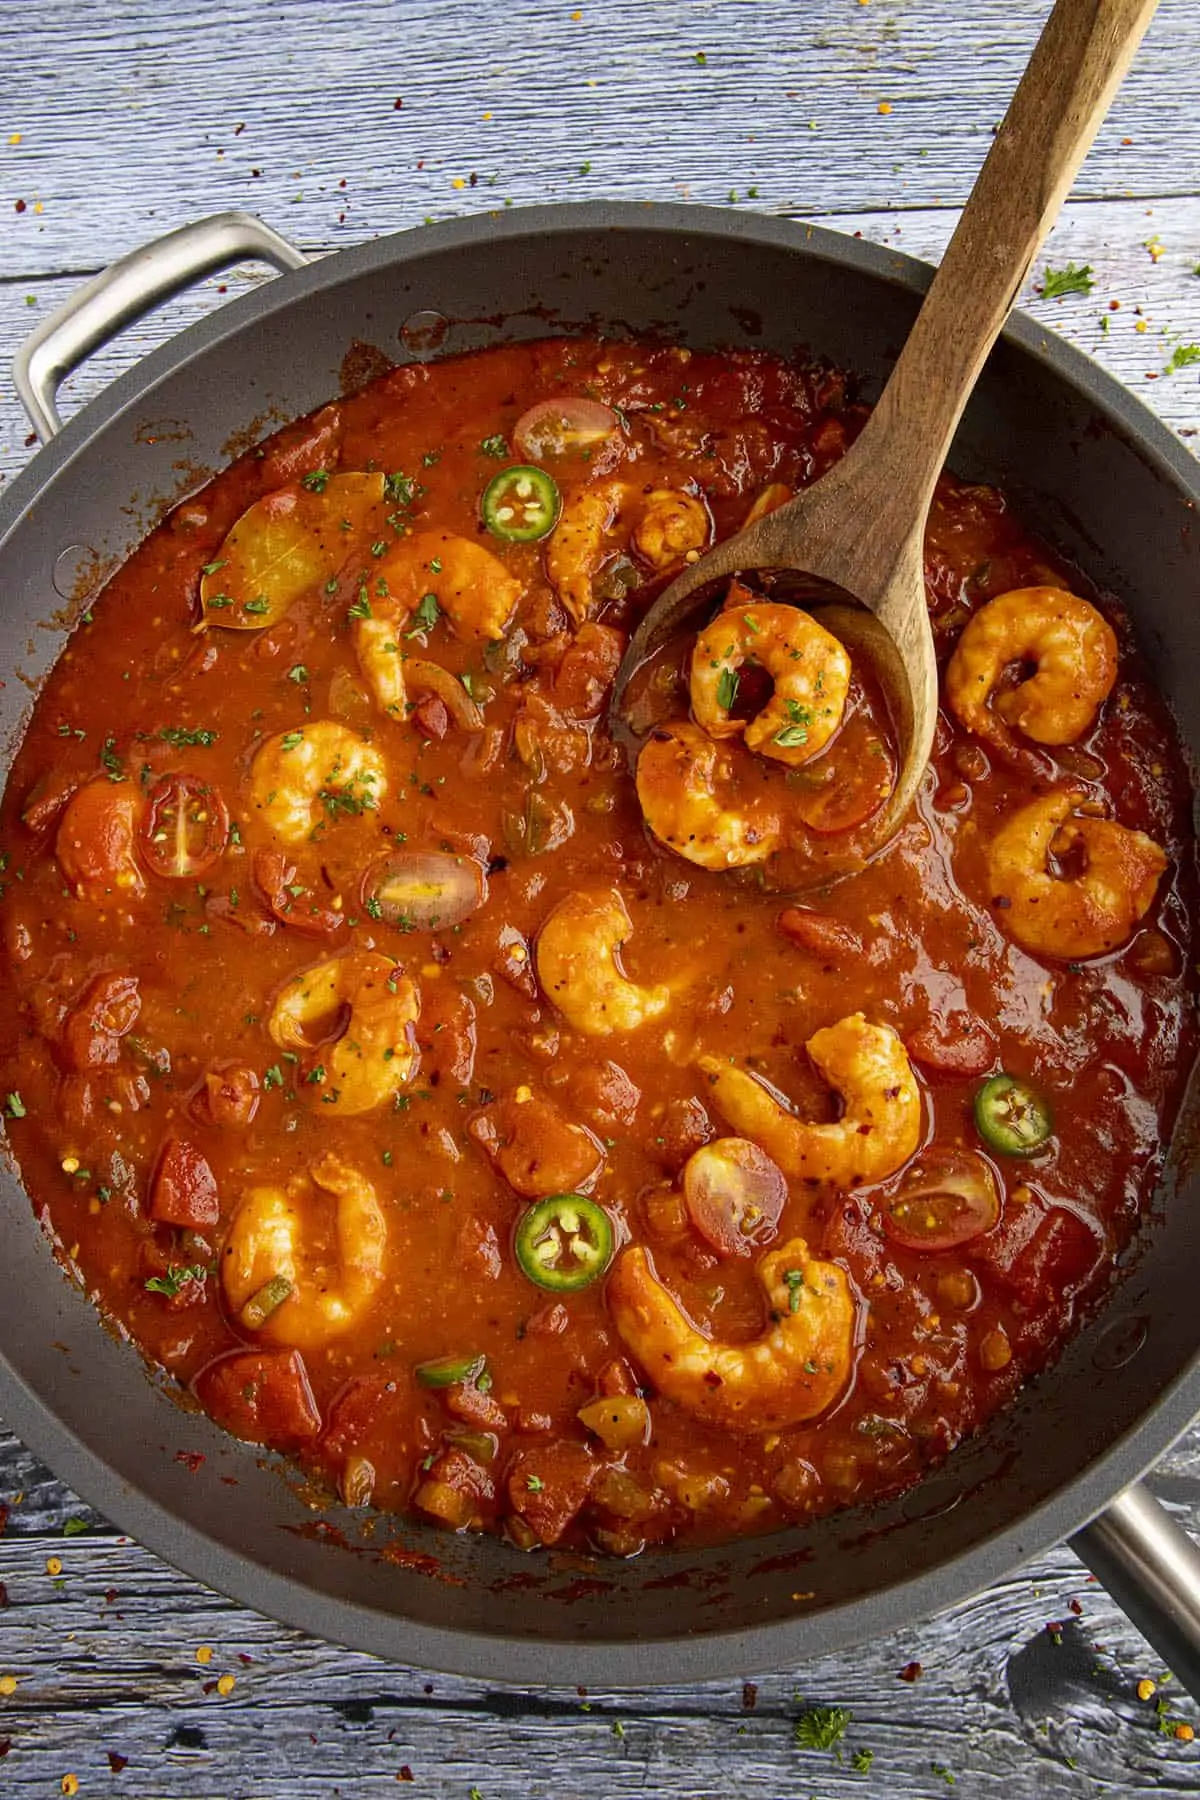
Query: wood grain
column 128, row 120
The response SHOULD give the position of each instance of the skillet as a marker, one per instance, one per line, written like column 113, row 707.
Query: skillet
column 1092, row 469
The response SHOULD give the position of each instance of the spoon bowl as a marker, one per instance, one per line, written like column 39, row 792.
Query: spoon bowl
column 860, row 529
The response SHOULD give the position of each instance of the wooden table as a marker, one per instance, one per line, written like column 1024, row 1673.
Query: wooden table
column 338, row 122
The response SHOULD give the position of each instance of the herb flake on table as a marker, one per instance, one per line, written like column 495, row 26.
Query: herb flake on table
column 1074, row 279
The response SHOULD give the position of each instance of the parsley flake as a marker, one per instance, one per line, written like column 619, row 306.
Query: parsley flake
column 1071, row 280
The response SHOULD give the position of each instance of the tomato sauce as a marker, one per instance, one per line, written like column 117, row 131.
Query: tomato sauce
column 290, row 1050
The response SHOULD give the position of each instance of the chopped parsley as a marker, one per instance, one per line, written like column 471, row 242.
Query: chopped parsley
column 273, row 1077
column 534, row 1483
column 75, row 1527
column 14, row 1106
column 1181, row 357
column 360, row 608
column 1071, row 280
column 297, row 672
column 494, row 446
column 261, row 605
column 315, row 481
column 861, row 1761
column 113, row 765
column 822, row 1727
column 426, row 616
column 290, row 739
column 176, row 1278
column 400, row 487
column 794, row 1279
column 179, row 736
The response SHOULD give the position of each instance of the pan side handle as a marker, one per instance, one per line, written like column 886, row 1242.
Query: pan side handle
column 127, row 289
column 1151, row 1567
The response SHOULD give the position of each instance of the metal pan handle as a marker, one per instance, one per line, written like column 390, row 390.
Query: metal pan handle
column 1151, row 1567
column 127, row 289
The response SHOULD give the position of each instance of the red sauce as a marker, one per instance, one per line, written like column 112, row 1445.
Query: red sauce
column 154, row 918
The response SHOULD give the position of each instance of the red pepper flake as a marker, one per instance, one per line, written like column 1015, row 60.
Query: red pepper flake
column 117, row 1762
column 4, row 1600
column 243, row 1658
column 20, row 206
column 5, row 1747
column 192, row 1460
column 404, row 1773
column 238, row 129
column 1054, row 1631
column 3, row 1520
column 749, row 1695
column 1076, row 1608
column 399, row 106
column 910, row 1672
column 110, row 1596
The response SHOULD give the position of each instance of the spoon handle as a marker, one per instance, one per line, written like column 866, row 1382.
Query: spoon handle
column 1084, row 50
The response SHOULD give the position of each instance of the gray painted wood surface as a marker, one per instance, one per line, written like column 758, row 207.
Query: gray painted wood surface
column 136, row 116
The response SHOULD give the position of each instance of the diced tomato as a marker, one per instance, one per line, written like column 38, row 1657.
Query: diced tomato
column 1058, row 1260
column 534, row 1146
column 186, row 827
column 290, row 900
column 300, row 449
column 95, row 842
column 183, row 1189
column 47, row 797
column 474, row 1407
column 584, row 675
column 814, row 931
column 263, row 1396
column 228, row 1097
column 454, row 1489
column 957, row 1045
column 365, row 1403
column 549, row 1484
column 446, row 1035
column 105, row 1011
column 431, row 717
column 684, row 1128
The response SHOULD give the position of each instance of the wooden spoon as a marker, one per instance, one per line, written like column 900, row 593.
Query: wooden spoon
column 861, row 527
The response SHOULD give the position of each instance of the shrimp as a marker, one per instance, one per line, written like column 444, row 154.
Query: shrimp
column 672, row 525
column 472, row 587
column 1076, row 656
column 576, row 550
column 318, row 772
column 375, row 1053
column 1078, row 914
column 680, row 777
column 286, row 1274
column 879, row 1129
column 578, row 964
column 793, row 1371
column 809, row 667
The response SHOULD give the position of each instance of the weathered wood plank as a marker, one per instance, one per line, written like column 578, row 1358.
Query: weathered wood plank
column 105, row 1656
column 1110, row 236
column 150, row 116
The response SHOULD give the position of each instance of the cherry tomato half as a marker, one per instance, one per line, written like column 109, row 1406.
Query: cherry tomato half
column 734, row 1195
column 948, row 1198
column 423, row 890
column 558, row 427
column 185, row 829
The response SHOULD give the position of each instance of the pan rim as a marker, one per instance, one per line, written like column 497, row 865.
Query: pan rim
column 641, row 1661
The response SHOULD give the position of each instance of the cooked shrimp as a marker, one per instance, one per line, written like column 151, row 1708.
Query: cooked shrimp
column 672, row 524
column 809, row 667
column 471, row 586
column 1076, row 656
column 319, row 772
column 579, row 965
column 375, row 1054
column 577, row 548
column 287, row 1274
column 1070, row 915
column 792, row 1372
column 379, row 648
column 685, row 786
column 669, row 524
column 879, row 1129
